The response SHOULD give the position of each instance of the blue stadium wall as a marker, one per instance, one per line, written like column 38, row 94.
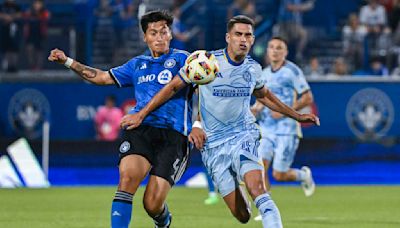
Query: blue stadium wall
column 357, row 142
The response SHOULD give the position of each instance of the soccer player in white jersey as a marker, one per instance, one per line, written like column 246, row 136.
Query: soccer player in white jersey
column 228, row 135
column 280, row 135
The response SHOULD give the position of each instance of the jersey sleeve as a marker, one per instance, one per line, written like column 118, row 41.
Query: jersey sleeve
column 123, row 75
column 182, row 73
column 299, row 83
column 260, row 78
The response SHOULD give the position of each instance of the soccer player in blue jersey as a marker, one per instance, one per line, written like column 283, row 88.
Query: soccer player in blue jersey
column 230, row 138
column 280, row 135
column 159, row 147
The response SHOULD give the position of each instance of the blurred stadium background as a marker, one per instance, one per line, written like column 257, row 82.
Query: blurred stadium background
column 353, row 71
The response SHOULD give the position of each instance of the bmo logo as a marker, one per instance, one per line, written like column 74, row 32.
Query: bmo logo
column 146, row 78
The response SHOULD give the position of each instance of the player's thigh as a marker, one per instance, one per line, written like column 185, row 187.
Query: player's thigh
column 171, row 157
column 266, row 148
column 133, row 169
column 286, row 146
column 218, row 163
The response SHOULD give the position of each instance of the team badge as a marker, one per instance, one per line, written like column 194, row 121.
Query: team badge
column 27, row 111
column 164, row 77
column 125, row 146
column 169, row 63
column 370, row 113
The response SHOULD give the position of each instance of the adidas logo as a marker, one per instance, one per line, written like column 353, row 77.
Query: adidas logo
column 116, row 213
column 21, row 168
column 144, row 66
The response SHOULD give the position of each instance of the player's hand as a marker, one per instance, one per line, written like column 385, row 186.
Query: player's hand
column 131, row 121
column 276, row 115
column 57, row 56
column 197, row 137
column 309, row 118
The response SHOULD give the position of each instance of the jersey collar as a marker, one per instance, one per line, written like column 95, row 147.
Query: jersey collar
column 230, row 60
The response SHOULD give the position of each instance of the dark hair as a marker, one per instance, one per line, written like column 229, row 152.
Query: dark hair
column 279, row 38
column 155, row 16
column 111, row 98
column 239, row 19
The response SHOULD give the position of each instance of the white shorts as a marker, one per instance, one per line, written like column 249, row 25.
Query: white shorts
column 281, row 149
column 227, row 163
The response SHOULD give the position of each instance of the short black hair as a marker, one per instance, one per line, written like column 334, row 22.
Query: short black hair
column 239, row 19
column 155, row 16
column 279, row 38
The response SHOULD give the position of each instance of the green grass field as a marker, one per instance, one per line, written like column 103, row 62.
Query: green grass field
column 358, row 206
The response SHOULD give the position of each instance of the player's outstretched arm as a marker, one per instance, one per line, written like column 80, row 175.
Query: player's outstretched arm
column 89, row 74
column 131, row 121
column 267, row 98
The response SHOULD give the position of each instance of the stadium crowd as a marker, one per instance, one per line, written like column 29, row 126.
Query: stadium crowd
column 369, row 36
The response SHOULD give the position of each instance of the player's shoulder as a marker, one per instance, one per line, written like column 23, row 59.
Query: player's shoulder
column 293, row 68
column 179, row 52
column 217, row 53
column 253, row 63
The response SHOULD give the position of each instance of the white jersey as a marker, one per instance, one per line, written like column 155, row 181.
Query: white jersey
column 285, row 83
column 225, row 103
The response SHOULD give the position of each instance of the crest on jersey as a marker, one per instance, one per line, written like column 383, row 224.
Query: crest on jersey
column 27, row 111
column 370, row 113
column 169, row 63
column 125, row 146
column 164, row 77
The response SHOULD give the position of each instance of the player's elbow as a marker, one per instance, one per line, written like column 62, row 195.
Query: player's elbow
column 308, row 98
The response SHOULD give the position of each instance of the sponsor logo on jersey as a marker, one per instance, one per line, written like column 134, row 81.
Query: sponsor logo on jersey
column 169, row 63
column 230, row 91
column 164, row 77
column 146, row 78
column 27, row 111
column 370, row 113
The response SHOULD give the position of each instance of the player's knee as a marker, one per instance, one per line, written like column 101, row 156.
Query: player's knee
column 279, row 176
column 125, row 181
column 256, row 188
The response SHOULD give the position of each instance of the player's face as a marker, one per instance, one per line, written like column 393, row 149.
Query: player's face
column 157, row 37
column 277, row 51
column 240, row 39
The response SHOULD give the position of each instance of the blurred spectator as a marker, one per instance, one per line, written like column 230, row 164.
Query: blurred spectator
column 373, row 16
column 377, row 68
column 10, row 13
column 353, row 41
column 394, row 19
column 290, row 23
column 314, row 70
column 35, row 30
column 104, row 9
column 339, row 68
column 180, row 34
column 396, row 71
column 123, row 20
column 244, row 7
column 107, row 120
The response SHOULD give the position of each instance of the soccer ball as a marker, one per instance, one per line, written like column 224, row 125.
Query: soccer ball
column 201, row 67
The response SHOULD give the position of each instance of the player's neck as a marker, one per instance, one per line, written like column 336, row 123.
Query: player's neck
column 235, row 58
column 277, row 65
column 158, row 54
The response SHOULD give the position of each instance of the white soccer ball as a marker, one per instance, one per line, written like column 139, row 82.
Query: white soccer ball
column 201, row 67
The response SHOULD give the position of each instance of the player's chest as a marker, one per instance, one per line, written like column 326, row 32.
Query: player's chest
column 155, row 73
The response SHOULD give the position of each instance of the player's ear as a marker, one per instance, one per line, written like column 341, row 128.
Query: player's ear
column 227, row 37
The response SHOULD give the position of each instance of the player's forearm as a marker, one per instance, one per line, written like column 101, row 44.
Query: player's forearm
column 163, row 96
column 91, row 74
column 305, row 100
column 272, row 102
